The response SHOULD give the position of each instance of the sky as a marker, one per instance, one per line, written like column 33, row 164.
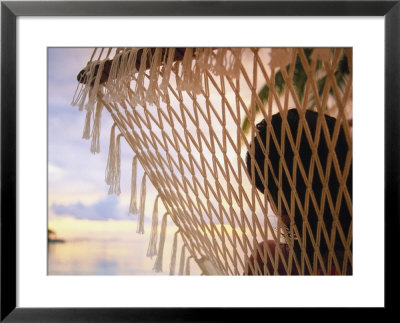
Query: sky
column 79, row 207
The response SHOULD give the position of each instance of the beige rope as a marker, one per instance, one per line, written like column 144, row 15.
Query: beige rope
column 193, row 157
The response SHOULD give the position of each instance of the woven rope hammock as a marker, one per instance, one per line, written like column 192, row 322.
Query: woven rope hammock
column 249, row 149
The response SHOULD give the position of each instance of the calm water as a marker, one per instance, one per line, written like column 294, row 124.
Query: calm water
column 97, row 257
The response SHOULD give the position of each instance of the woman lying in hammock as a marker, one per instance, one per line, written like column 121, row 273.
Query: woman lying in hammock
column 318, row 220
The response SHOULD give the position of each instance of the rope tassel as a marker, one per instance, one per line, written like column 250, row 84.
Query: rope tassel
column 159, row 260
column 186, row 71
column 133, row 205
column 113, row 170
column 152, row 97
column 187, row 266
column 83, row 97
column 182, row 261
column 152, row 249
column 111, row 157
column 86, row 128
column 219, row 66
column 85, row 91
column 140, row 228
column 167, row 70
column 95, row 88
column 173, row 254
column 140, row 91
column 95, row 146
column 234, row 62
column 115, row 185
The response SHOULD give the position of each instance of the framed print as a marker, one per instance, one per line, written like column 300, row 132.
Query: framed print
column 220, row 143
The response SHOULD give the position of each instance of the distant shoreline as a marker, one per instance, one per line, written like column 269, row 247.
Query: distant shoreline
column 55, row 240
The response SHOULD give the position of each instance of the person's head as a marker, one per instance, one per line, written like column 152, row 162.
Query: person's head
column 287, row 178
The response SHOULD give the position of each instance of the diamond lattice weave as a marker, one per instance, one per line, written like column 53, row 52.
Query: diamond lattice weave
column 249, row 149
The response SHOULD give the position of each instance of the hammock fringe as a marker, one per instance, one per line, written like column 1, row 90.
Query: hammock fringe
column 173, row 254
column 115, row 187
column 133, row 204
column 113, row 169
column 152, row 249
column 140, row 228
column 86, row 128
column 152, row 97
column 187, row 266
column 123, row 70
column 95, row 145
column 95, row 88
column 182, row 261
column 159, row 260
column 110, row 168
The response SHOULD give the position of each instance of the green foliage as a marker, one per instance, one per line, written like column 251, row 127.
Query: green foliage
column 263, row 94
column 299, row 81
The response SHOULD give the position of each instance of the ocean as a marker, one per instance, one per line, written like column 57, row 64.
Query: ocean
column 106, row 257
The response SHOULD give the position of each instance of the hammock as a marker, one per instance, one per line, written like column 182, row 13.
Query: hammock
column 249, row 149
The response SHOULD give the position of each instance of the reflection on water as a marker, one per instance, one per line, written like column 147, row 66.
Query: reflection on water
column 107, row 248
column 100, row 257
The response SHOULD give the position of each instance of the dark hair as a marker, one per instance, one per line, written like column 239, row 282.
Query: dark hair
column 305, row 154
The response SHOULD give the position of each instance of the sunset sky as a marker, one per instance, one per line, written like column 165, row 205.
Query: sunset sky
column 79, row 207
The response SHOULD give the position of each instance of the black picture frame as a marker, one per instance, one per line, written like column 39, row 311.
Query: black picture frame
column 10, row 10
